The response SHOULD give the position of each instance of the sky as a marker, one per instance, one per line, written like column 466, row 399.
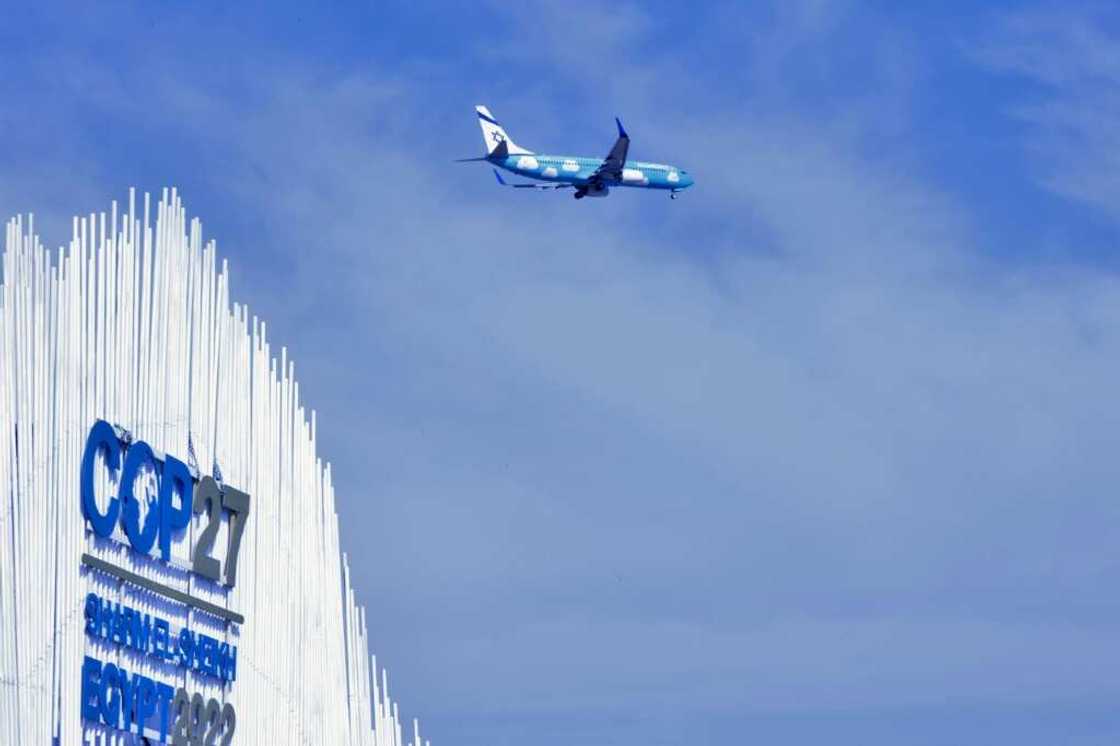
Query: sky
column 824, row 451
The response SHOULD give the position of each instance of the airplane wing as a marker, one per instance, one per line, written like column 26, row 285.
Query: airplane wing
column 529, row 185
column 611, row 170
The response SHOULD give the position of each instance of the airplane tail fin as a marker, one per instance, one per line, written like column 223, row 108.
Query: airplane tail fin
column 495, row 137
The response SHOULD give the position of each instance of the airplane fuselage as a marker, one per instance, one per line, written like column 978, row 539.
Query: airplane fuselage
column 587, row 177
column 577, row 171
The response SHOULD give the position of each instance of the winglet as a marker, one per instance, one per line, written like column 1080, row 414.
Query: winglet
column 498, row 176
column 621, row 131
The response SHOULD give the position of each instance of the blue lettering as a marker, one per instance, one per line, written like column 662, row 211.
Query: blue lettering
column 186, row 648
column 109, row 692
column 231, row 664
column 176, row 478
column 162, row 639
column 110, row 702
column 104, row 621
column 164, row 518
column 140, row 632
column 128, row 696
column 119, row 633
column 91, row 691
column 166, row 693
column 227, row 661
column 142, row 540
column 206, row 658
column 102, row 440
column 145, row 701
column 93, row 610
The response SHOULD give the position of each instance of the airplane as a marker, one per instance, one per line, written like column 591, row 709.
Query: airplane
column 589, row 177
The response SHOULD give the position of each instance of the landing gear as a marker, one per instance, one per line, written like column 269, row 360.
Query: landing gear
column 673, row 194
column 580, row 194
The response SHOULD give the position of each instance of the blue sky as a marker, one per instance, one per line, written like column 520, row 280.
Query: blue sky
column 824, row 451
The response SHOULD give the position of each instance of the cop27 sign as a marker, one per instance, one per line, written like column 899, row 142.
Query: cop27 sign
column 110, row 695
column 165, row 516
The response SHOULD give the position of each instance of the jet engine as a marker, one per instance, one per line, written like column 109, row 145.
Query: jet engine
column 592, row 190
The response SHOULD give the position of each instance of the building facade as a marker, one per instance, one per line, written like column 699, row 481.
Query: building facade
column 170, row 568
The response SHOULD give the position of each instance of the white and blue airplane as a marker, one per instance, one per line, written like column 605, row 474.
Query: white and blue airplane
column 589, row 177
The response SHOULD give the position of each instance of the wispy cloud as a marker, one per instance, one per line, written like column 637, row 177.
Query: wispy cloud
column 1072, row 117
